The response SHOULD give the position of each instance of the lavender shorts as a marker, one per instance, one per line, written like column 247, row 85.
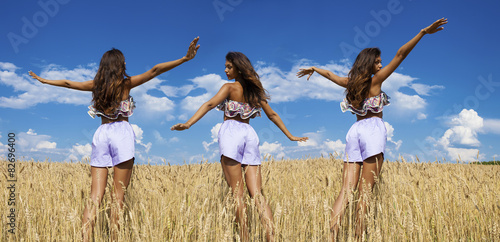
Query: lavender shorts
column 365, row 139
column 239, row 142
column 113, row 143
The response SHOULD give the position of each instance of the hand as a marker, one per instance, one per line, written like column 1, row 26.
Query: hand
column 180, row 127
column 436, row 26
column 193, row 48
column 309, row 71
column 35, row 76
column 301, row 139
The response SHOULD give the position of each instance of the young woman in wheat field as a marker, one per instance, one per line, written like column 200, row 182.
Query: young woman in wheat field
column 238, row 142
column 113, row 142
column 366, row 139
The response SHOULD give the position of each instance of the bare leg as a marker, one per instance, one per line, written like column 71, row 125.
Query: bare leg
column 349, row 184
column 253, row 180
column 371, row 169
column 99, row 182
column 234, row 178
column 121, row 179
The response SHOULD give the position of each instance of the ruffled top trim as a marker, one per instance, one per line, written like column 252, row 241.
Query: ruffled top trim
column 373, row 104
column 232, row 108
column 126, row 109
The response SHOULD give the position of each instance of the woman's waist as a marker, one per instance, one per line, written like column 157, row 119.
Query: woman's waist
column 120, row 118
column 237, row 118
column 369, row 114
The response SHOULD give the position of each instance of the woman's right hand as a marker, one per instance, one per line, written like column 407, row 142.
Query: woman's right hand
column 436, row 26
column 301, row 139
column 308, row 71
column 180, row 127
column 35, row 76
column 193, row 48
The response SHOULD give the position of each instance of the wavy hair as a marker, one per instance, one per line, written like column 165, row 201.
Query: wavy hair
column 360, row 77
column 253, row 91
column 110, row 82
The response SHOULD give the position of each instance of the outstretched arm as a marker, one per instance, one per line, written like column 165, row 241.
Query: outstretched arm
column 166, row 66
column 81, row 86
column 273, row 116
column 212, row 103
column 385, row 72
column 341, row 81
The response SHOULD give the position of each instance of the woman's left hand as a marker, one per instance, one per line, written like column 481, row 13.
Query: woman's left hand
column 180, row 127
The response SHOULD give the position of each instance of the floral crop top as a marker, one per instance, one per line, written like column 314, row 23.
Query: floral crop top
column 126, row 109
column 232, row 108
column 373, row 104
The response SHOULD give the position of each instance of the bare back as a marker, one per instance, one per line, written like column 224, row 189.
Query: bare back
column 236, row 94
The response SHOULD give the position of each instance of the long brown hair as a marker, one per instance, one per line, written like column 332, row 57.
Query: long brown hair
column 110, row 82
column 360, row 77
column 253, row 91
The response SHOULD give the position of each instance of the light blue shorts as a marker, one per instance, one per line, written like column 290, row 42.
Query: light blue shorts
column 240, row 142
column 113, row 143
column 365, row 139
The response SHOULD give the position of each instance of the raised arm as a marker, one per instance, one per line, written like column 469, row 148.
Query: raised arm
column 212, row 103
column 166, row 66
column 341, row 81
column 81, row 86
column 385, row 72
column 273, row 116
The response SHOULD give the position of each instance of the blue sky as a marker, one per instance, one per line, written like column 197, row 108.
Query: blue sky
column 444, row 95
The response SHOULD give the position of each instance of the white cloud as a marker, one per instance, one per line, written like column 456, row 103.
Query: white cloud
column 317, row 144
column 423, row 89
column 46, row 145
column 463, row 131
column 138, row 138
column 421, row 116
column 274, row 149
column 464, row 154
column 211, row 83
column 390, row 135
column 29, row 92
column 79, row 152
column 31, row 141
column 491, row 126
column 214, row 137
column 158, row 137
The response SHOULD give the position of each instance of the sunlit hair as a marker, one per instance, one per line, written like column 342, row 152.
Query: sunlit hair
column 360, row 77
column 253, row 91
column 110, row 82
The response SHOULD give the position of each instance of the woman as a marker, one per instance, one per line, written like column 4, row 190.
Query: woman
column 238, row 142
column 113, row 142
column 366, row 139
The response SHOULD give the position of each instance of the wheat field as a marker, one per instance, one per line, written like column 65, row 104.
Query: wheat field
column 414, row 202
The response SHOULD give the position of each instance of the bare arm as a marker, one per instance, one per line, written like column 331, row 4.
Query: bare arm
column 81, row 86
column 212, row 103
column 273, row 116
column 385, row 72
column 341, row 81
column 166, row 66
